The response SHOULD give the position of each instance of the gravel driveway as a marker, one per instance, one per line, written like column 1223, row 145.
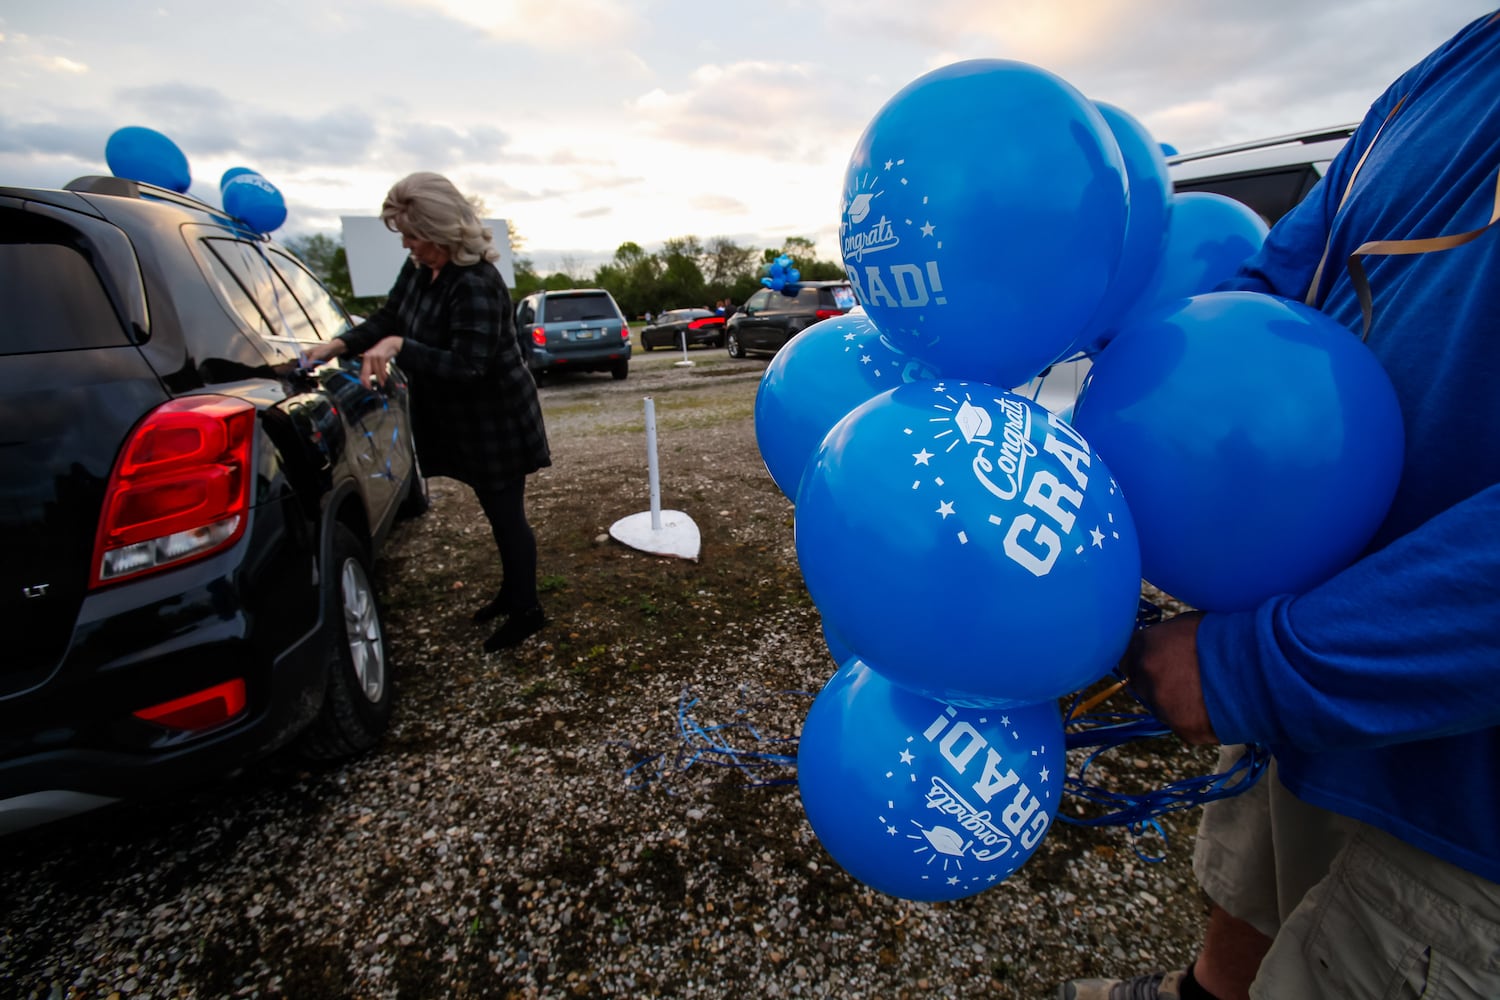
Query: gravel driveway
column 535, row 824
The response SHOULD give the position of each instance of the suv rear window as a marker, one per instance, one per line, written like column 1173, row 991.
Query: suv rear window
column 573, row 308
column 49, row 294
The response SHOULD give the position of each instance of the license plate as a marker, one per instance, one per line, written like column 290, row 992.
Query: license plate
column 585, row 334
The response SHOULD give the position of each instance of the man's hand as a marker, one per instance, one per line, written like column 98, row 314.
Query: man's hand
column 1161, row 664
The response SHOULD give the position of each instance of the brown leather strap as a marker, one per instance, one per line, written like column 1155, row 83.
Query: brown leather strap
column 1317, row 278
column 1394, row 247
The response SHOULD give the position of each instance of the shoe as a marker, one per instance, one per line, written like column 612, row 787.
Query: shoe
column 499, row 605
column 1156, row 986
column 517, row 628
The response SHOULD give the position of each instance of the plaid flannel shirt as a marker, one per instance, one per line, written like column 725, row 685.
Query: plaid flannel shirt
column 475, row 412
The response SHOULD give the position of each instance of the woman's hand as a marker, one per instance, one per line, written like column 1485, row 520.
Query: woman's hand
column 376, row 367
column 319, row 353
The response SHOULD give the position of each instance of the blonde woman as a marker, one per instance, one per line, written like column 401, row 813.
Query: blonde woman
column 449, row 324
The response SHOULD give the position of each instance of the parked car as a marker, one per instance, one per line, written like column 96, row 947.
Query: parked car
column 190, row 519
column 700, row 326
column 770, row 318
column 1269, row 175
column 580, row 329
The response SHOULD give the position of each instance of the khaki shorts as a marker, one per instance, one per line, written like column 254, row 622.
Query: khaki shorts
column 1353, row 911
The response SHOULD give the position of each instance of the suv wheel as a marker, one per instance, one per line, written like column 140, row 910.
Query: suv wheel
column 732, row 343
column 620, row 370
column 357, row 699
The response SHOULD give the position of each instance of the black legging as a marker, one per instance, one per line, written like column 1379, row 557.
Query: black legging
column 506, row 510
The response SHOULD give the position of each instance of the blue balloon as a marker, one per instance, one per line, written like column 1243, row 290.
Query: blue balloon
column 1145, row 228
column 819, row 376
column 1208, row 237
column 231, row 174
column 1167, row 149
column 837, row 648
column 144, row 154
column 1257, row 441
column 255, row 201
column 969, row 545
column 984, row 214
column 922, row 800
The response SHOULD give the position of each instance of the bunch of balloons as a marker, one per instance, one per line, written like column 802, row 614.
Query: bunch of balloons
column 146, row 155
column 977, row 557
column 781, row 276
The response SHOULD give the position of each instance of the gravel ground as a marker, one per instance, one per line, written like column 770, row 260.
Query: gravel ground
column 535, row 824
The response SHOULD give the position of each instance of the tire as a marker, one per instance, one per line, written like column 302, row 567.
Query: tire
column 732, row 344
column 646, row 345
column 417, row 500
column 357, row 697
column 620, row 370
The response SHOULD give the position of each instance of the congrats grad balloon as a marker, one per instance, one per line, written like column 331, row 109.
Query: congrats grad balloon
column 969, row 545
column 984, row 214
column 923, row 800
column 820, row 375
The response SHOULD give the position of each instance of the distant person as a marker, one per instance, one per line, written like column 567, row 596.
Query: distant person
column 448, row 322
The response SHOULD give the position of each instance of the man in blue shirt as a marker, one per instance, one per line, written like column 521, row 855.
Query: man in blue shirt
column 1368, row 862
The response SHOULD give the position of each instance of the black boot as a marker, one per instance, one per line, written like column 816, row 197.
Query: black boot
column 517, row 628
column 499, row 605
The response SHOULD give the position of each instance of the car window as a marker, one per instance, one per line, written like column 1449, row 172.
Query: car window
column 758, row 301
column 49, row 294
column 843, row 296
column 277, row 307
column 327, row 318
column 574, row 308
column 1272, row 193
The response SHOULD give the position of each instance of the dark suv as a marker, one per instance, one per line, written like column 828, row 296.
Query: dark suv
column 770, row 318
column 580, row 330
column 189, row 518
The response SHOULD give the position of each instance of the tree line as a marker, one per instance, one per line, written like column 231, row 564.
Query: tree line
column 684, row 273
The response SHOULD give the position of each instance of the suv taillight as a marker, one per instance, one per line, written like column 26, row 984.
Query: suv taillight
column 180, row 489
column 539, row 336
column 823, row 314
column 624, row 332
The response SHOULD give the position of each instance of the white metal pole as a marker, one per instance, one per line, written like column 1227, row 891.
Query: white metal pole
column 651, row 469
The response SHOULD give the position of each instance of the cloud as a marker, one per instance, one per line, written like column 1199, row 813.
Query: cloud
column 756, row 108
column 79, row 139
column 567, row 25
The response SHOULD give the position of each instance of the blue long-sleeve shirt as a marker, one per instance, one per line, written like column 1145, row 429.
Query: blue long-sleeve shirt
column 1379, row 691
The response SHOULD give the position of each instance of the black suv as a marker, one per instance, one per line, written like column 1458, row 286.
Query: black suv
column 189, row 518
column 770, row 318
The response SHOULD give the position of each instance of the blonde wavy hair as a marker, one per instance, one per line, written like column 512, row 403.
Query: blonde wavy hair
column 426, row 206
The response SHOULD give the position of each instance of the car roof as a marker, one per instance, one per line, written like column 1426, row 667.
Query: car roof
column 1316, row 148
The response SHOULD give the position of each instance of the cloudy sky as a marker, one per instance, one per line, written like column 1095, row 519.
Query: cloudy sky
column 591, row 122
